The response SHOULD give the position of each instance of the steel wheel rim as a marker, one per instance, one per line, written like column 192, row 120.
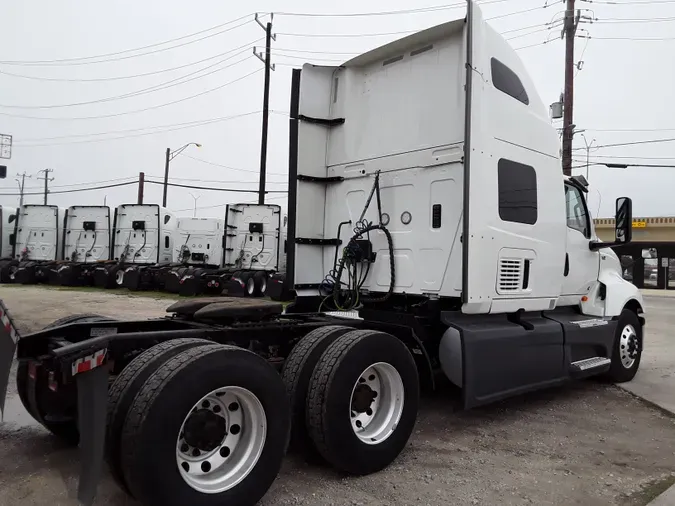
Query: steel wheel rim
column 628, row 346
column 263, row 285
column 374, row 420
column 119, row 277
column 250, row 286
column 220, row 469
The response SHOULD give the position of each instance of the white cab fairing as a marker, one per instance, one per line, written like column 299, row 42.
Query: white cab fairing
column 39, row 233
column 253, row 235
column 200, row 241
column 472, row 189
column 87, row 234
column 143, row 234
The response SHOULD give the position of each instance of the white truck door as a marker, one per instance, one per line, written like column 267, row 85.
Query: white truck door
column 581, row 264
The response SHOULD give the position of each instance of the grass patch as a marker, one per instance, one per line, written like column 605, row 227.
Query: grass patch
column 114, row 291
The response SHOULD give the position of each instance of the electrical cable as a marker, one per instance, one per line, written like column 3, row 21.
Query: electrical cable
column 133, row 76
column 516, row 13
column 144, row 91
column 79, row 60
column 229, row 167
column 650, row 141
column 234, row 190
column 70, row 191
column 385, row 13
column 137, row 110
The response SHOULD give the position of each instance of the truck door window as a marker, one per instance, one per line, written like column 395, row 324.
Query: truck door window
column 577, row 215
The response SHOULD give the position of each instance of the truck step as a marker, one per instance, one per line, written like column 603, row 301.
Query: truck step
column 590, row 364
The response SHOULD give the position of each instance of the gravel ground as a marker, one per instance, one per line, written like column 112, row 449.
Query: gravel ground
column 585, row 444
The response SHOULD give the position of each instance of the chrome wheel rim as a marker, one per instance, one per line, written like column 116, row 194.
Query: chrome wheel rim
column 263, row 285
column 250, row 286
column 119, row 277
column 628, row 346
column 376, row 403
column 221, row 440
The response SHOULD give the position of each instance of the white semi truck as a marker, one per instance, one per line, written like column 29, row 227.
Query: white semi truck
column 431, row 231
column 239, row 253
column 143, row 238
column 85, row 244
column 38, row 243
column 8, row 225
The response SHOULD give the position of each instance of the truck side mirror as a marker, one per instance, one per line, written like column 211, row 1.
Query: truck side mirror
column 623, row 229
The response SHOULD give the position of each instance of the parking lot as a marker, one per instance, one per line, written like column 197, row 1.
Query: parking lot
column 587, row 444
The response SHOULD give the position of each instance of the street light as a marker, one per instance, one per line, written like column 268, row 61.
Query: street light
column 194, row 214
column 170, row 155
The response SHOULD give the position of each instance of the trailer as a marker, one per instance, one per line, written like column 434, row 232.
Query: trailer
column 38, row 242
column 142, row 244
column 85, row 243
column 8, row 225
column 431, row 231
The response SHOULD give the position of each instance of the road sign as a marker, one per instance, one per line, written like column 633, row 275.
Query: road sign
column 5, row 146
column 639, row 224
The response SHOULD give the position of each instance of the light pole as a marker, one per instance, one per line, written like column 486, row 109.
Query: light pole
column 194, row 214
column 588, row 152
column 170, row 155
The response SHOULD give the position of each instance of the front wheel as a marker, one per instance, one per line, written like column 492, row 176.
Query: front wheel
column 627, row 350
column 363, row 401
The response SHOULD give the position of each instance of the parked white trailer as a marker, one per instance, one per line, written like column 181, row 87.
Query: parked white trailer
column 143, row 236
column 38, row 243
column 429, row 216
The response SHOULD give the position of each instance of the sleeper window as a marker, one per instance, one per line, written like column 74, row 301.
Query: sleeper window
column 517, row 185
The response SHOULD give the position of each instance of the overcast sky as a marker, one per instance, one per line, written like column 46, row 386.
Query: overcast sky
column 623, row 85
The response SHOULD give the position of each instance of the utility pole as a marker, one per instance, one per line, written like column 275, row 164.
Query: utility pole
column 569, row 32
column 141, row 182
column 47, row 179
column 22, row 184
column 166, row 176
column 267, row 60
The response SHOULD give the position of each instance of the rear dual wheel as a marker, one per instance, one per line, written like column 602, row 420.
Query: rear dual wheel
column 255, row 283
column 208, row 427
column 361, row 393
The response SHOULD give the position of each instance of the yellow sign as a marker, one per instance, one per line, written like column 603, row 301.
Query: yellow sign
column 640, row 224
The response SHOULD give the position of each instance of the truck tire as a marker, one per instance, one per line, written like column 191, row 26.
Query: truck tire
column 363, row 400
column 297, row 372
column 260, row 279
column 125, row 388
column 249, row 284
column 209, row 427
column 65, row 430
column 627, row 350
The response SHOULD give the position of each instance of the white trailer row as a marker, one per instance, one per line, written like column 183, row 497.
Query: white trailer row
column 143, row 246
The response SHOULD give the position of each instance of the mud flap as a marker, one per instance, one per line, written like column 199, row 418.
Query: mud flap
column 92, row 399
column 8, row 339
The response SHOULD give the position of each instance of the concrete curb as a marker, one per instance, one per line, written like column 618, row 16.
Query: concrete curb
column 667, row 498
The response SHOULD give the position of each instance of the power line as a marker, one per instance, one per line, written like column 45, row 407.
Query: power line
column 228, row 167
column 639, row 39
column 630, row 129
column 79, row 60
column 234, row 190
column 531, row 45
column 137, row 110
column 632, row 20
column 86, row 141
column 345, row 35
column 84, row 184
column 633, row 143
column 289, row 50
column 629, row 2
column 134, row 76
column 159, row 87
column 73, row 190
column 187, row 124
column 432, row 8
column 516, row 13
